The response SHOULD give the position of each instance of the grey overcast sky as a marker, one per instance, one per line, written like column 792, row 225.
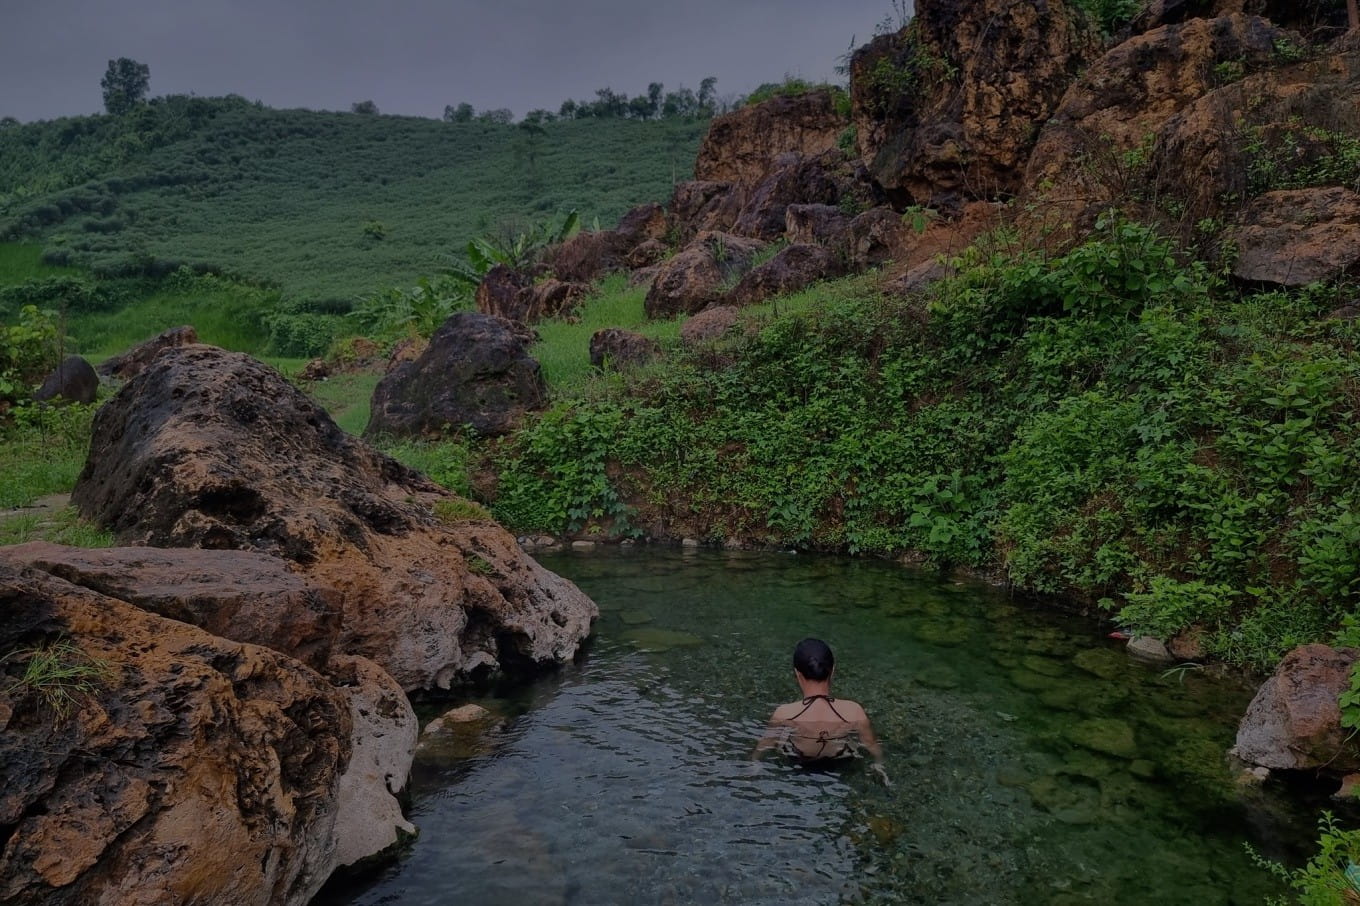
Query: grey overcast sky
column 415, row 56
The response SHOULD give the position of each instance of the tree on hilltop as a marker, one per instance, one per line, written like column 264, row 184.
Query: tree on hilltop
column 364, row 108
column 463, row 113
column 125, row 84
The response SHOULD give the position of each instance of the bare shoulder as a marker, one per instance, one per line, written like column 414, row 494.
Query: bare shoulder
column 851, row 711
column 786, row 712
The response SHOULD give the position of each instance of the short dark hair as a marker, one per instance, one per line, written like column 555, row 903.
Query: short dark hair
column 813, row 659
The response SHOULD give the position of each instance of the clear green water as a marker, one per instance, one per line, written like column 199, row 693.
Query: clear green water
column 1032, row 762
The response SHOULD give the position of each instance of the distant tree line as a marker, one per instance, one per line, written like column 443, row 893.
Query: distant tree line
column 657, row 103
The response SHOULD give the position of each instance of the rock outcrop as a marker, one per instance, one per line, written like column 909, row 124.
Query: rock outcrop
column 947, row 108
column 128, row 365
column 212, row 449
column 1294, row 722
column 475, row 373
column 592, row 254
column 187, row 769
column 1121, row 103
column 739, row 147
column 509, row 294
column 699, row 275
column 74, row 380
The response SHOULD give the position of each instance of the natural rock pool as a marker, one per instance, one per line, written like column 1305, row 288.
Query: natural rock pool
column 1032, row 761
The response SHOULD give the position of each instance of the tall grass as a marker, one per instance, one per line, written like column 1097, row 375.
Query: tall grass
column 20, row 262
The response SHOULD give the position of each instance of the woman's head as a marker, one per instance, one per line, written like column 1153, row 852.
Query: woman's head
column 813, row 659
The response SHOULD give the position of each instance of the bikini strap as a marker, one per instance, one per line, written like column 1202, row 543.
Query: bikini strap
column 808, row 702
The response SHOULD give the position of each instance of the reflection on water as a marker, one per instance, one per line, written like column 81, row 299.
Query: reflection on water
column 1032, row 762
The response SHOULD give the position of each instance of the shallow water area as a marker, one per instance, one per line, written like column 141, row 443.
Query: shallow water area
column 1031, row 760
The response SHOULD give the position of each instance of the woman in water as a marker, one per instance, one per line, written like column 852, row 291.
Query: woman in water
column 819, row 728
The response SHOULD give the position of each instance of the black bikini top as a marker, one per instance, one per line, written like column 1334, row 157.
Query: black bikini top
column 808, row 702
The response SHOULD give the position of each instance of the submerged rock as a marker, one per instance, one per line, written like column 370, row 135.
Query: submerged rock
column 1107, row 735
column 212, row 449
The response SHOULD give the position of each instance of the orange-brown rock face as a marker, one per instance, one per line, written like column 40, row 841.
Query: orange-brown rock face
column 741, row 146
column 1294, row 722
column 212, row 449
column 195, row 769
column 947, row 108
column 1125, row 99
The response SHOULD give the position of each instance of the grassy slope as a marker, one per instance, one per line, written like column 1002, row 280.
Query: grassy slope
column 286, row 195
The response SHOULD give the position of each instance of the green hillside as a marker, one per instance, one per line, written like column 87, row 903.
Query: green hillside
column 324, row 206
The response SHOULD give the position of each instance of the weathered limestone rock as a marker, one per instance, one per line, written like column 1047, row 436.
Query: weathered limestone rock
column 946, row 109
column 708, row 325
column 239, row 595
column 1261, row 129
column 74, row 380
column 476, row 372
column 816, row 224
column 592, row 254
column 128, row 365
column 616, row 348
column 740, row 146
column 795, row 267
column 1294, row 722
column 1298, row 236
column 699, row 275
column 212, row 449
column 512, row 295
column 1126, row 97
column 194, row 770
column 792, row 178
column 702, row 206
column 368, row 815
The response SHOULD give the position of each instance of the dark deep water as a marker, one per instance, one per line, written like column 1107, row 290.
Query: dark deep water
column 1032, row 761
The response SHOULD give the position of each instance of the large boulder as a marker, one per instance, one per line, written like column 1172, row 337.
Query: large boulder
column 1082, row 161
column 213, row 449
column 709, row 325
column 1294, row 722
column 1319, row 19
column 740, row 146
column 476, row 372
column 699, row 275
column 946, row 109
column 128, row 365
column 185, row 768
column 74, row 380
column 701, row 206
column 795, row 267
column 239, row 595
column 1298, row 236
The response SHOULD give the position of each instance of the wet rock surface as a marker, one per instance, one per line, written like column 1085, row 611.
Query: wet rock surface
column 1294, row 722
column 212, row 449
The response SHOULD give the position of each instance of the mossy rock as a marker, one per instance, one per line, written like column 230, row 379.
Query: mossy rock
column 1039, row 664
column 1069, row 798
column 635, row 617
column 1106, row 735
column 937, row 676
column 1102, row 662
column 1033, row 682
column 944, row 632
